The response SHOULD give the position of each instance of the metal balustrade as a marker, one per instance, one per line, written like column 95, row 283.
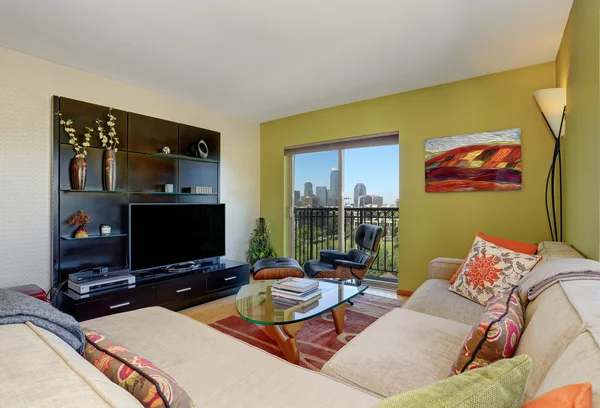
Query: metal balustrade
column 317, row 229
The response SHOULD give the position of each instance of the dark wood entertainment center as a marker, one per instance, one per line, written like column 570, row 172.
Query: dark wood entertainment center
column 142, row 171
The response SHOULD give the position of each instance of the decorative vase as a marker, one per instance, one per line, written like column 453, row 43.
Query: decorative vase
column 81, row 232
column 78, row 173
column 110, row 170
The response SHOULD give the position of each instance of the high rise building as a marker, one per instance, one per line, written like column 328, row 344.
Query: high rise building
column 308, row 189
column 376, row 200
column 331, row 202
column 397, row 202
column 334, row 182
column 359, row 190
column 296, row 197
column 321, row 193
column 365, row 200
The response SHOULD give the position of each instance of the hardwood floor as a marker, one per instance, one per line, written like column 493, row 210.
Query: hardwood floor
column 221, row 308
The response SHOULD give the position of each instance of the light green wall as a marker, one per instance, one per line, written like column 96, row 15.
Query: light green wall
column 431, row 224
column 577, row 68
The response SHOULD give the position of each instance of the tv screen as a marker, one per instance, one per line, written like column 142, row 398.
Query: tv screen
column 168, row 234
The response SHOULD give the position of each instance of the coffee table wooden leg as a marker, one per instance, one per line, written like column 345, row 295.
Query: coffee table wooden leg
column 285, row 337
column 339, row 314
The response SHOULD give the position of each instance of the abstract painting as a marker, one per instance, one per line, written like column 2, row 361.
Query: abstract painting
column 475, row 162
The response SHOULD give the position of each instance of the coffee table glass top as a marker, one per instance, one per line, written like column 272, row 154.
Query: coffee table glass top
column 255, row 304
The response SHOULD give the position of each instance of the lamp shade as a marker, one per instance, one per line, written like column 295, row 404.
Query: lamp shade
column 552, row 102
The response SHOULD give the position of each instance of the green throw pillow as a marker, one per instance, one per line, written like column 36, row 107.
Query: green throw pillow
column 499, row 385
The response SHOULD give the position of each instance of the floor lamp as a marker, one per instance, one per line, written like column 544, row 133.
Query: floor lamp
column 553, row 104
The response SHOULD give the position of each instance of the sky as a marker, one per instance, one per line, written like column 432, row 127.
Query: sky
column 375, row 167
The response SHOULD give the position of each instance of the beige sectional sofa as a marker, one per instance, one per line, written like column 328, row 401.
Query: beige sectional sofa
column 416, row 345
column 405, row 349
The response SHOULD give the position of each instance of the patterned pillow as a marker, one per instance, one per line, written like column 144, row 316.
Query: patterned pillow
column 491, row 269
column 151, row 386
column 494, row 336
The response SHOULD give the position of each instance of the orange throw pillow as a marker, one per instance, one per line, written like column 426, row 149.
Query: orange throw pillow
column 521, row 247
column 569, row 396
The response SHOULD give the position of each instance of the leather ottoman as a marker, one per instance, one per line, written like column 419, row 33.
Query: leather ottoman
column 277, row 268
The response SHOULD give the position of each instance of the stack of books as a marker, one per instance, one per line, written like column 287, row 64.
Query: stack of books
column 293, row 291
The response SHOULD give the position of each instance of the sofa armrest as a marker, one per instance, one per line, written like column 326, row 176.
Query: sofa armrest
column 328, row 255
column 443, row 268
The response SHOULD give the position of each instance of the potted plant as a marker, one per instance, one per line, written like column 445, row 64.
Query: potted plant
column 260, row 243
column 82, row 219
column 78, row 164
column 110, row 141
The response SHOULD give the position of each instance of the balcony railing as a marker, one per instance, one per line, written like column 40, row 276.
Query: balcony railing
column 317, row 229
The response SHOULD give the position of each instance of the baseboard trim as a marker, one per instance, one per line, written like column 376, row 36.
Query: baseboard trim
column 404, row 292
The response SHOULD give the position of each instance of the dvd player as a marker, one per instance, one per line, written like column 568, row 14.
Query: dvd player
column 98, row 273
column 101, row 284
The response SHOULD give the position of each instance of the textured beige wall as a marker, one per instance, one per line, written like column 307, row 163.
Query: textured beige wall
column 27, row 85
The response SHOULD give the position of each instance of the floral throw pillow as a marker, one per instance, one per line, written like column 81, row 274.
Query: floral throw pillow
column 490, row 269
column 151, row 386
column 494, row 336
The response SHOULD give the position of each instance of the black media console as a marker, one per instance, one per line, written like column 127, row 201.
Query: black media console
column 174, row 291
column 142, row 171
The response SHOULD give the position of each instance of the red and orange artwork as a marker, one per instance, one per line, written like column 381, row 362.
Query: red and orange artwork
column 474, row 162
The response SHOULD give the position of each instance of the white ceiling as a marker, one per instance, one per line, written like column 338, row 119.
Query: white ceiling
column 266, row 59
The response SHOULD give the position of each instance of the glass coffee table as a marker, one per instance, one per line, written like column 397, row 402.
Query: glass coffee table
column 255, row 304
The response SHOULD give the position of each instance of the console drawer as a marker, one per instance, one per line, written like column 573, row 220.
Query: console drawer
column 181, row 290
column 226, row 279
column 121, row 301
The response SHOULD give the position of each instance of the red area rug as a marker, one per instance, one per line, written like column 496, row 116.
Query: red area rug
column 317, row 339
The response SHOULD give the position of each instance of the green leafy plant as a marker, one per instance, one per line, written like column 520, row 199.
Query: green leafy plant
column 260, row 243
column 110, row 140
column 80, row 148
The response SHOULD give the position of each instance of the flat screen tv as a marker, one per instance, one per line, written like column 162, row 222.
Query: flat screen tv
column 167, row 234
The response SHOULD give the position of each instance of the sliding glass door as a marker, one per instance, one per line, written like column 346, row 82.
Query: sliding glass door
column 336, row 190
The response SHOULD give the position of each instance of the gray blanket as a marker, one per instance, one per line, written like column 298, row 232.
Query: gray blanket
column 549, row 273
column 17, row 308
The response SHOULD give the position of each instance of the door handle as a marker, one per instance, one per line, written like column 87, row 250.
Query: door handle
column 119, row 305
column 231, row 278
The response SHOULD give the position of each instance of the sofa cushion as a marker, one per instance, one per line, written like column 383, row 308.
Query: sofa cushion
column 34, row 373
column 491, row 269
column 218, row 370
column 139, row 376
column 554, row 324
column 401, row 351
column 494, row 336
column 500, row 385
column 578, row 363
column 433, row 298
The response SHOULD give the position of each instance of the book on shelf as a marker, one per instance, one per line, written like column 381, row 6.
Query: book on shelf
column 303, row 297
column 298, row 285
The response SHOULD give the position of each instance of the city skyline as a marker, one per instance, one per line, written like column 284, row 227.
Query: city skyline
column 381, row 179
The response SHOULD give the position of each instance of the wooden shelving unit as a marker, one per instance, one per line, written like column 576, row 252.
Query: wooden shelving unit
column 141, row 173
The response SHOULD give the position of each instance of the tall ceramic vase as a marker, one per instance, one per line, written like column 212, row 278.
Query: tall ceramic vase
column 78, row 173
column 110, row 170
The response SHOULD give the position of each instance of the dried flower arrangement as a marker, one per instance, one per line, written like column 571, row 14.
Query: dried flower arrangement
column 82, row 219
column 80, row 148
column 111, row 140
